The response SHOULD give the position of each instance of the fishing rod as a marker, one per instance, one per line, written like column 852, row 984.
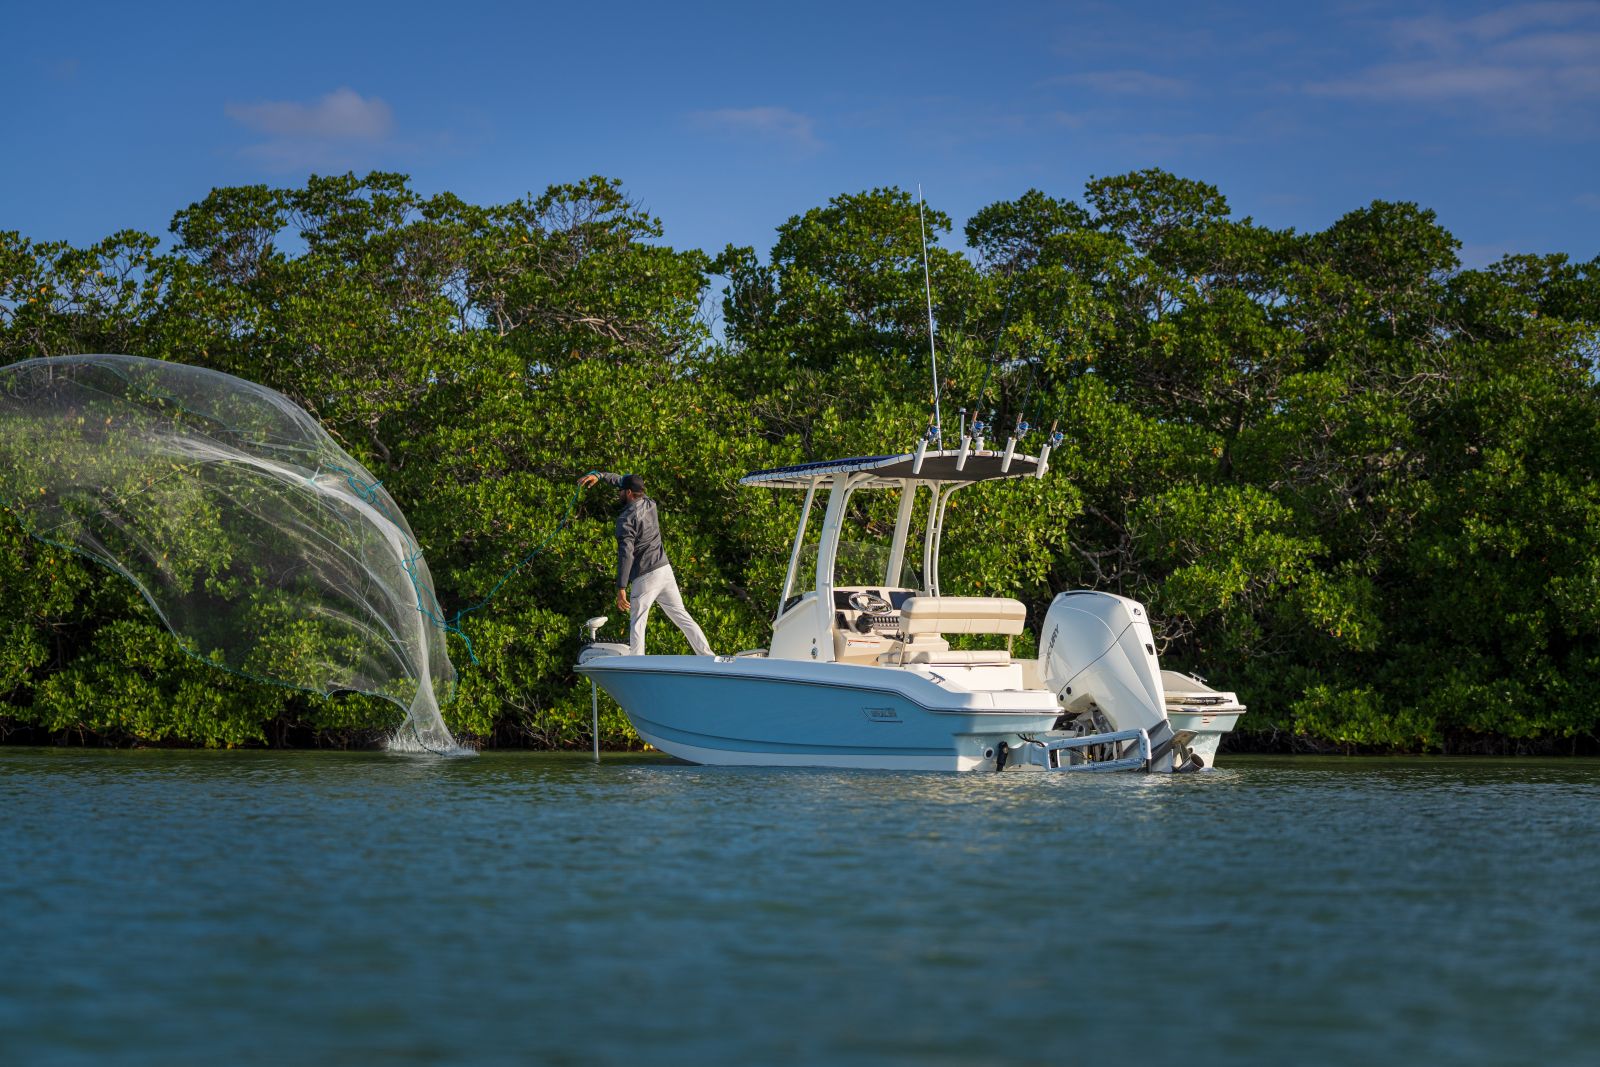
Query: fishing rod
column 1054, row 438
column 999, row 338
column 981, row 426
column 936, row 431
column 1024, row 425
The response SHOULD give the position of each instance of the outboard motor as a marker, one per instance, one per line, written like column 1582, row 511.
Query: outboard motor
column 597, row 648
column 1099, row 652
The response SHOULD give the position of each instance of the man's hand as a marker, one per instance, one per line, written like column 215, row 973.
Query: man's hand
column 622, row 601
column 587, row 480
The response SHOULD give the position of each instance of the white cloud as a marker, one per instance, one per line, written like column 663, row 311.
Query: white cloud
column 1580, row 49
column 1427, row 81
column 342, row 115
column 1070, row 120
column 341, row 131
column 773, row 124
column 1505, row 22
column 1535, row 66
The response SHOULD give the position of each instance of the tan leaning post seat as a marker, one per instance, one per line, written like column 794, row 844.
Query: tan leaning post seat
column 924, row 619
column 962, row 615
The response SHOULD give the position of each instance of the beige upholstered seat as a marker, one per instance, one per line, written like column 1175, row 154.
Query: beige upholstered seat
column 962, row 615
column 924, row 618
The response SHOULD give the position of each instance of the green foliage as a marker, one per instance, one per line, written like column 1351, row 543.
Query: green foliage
column 131, row 679
column 1354, row 482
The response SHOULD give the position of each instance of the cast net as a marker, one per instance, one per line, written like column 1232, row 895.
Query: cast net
column 261, row 544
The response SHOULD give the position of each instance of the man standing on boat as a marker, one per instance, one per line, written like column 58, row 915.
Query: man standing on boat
column 642, row 565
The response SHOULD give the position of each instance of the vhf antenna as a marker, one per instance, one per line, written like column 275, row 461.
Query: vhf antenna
column 927, row 285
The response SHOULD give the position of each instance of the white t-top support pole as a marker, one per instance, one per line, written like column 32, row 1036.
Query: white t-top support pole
column 794, row 554
column 902, row 528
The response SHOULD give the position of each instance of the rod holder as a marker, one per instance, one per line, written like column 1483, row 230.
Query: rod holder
column 1044, row 453
column 961, row 457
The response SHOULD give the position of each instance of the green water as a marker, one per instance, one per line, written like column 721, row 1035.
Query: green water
column 221, row 908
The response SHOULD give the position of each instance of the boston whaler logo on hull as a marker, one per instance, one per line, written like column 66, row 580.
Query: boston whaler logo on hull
column 882, row 714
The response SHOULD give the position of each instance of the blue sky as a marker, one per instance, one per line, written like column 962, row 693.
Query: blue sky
column 726, row 119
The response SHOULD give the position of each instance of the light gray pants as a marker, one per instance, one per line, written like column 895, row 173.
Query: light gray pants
column 661, row 585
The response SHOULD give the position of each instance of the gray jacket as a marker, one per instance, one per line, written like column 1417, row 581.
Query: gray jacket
column 639, row 548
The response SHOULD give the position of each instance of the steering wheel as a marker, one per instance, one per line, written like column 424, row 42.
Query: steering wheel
column 870, row 603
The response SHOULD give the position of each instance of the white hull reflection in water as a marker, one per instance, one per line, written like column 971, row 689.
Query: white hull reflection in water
column 861, row 670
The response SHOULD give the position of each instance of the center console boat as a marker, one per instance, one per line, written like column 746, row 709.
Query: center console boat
column 862, row 670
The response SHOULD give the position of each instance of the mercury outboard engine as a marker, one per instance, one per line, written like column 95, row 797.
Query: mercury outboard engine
column 1099, row 653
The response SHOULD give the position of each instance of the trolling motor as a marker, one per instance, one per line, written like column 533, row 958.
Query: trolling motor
column 596, row 649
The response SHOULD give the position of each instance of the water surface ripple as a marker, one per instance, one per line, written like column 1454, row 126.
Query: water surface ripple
column 193, row 907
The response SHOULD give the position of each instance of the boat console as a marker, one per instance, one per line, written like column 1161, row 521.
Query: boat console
column 866, row 621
